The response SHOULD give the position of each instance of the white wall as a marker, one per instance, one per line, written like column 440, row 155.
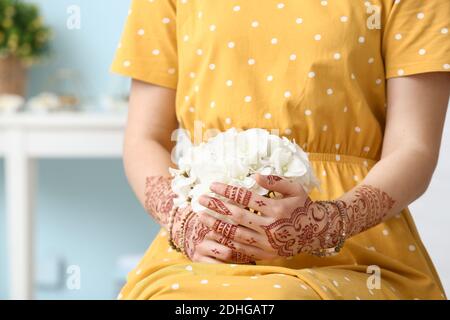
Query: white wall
column 431, row 212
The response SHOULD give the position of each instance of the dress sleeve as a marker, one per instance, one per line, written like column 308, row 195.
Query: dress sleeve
column 416, row 38
column 148, row 47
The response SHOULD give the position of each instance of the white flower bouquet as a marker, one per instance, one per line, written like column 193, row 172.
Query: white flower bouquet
column 234, row 157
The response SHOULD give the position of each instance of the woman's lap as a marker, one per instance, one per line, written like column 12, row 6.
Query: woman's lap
column 198, row 281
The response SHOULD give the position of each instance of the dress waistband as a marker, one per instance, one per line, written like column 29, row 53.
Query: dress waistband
column 343, row 158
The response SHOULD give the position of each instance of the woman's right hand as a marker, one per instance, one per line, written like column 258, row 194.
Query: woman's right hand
column 199, row 244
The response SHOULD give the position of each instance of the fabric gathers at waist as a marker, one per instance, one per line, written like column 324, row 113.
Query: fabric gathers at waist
column 341, row 158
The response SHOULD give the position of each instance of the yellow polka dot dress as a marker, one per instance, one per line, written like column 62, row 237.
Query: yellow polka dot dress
column 315, row 71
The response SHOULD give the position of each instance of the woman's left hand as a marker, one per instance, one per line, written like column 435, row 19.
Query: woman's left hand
column 285, row 227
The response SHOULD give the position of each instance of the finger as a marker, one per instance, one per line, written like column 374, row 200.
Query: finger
column 220, row 252
column 231, row 231
column 281, row 185
column 242, row 196
column 233, row 212
column 250, row 249
column 207, row 260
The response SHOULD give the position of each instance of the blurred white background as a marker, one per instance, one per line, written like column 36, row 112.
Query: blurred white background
column 431, row 212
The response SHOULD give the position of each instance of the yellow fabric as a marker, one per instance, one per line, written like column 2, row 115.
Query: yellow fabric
column 316, row 71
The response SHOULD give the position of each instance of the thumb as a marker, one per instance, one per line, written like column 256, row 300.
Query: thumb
column 279, row 184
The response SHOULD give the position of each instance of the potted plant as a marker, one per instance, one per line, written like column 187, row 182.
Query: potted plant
column 23, row 40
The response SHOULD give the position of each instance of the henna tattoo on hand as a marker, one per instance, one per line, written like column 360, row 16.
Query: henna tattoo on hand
column 239, row 257
column 260, row 203
column 226, row 229
column 218, row 206
column 236, row 256
column 195, row 233
column 159, row 203
column 159, row 198
column 318, row 225
column 227, row 242
column 303, row 231
column 239, row 195
column 271, row 179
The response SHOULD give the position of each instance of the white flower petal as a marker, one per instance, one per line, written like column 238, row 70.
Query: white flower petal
column 233, row 157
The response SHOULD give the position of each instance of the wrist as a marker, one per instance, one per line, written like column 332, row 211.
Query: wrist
column 335, row 213
column 334, row 225
column 182, row 218
column 365, row 206
column 159, row 198
column 176, row 227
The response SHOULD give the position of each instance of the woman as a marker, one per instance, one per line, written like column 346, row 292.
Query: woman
column 361, row 86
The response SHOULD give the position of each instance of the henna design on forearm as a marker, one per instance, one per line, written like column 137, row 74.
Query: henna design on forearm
column 218, row 206
column 368, row 208
column 226, row 229
column 317, row 225
column 159, row 198
column 239, row 195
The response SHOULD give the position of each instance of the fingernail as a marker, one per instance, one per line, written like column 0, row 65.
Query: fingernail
column 203, row 199
column 214, row 185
